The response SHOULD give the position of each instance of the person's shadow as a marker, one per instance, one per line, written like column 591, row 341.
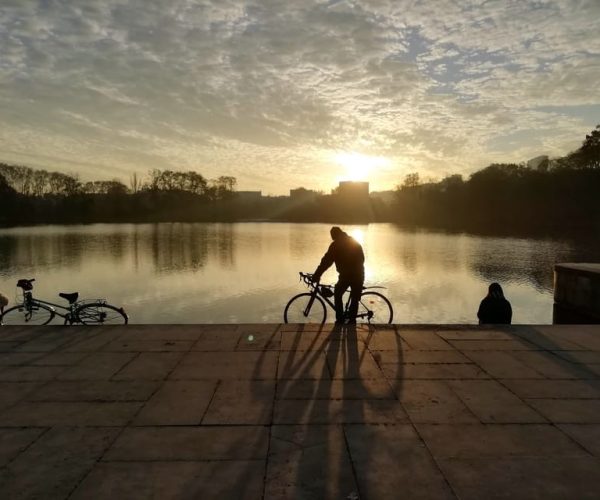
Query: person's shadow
column 326, row 393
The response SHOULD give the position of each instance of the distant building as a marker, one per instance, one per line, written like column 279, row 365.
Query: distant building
column 353, row 189
column 302, row 194
column 248, row 196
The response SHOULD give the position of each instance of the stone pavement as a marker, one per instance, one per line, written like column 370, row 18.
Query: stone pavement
column 292, row 412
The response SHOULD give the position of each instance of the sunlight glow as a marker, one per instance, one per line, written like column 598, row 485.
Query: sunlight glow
column 359, row 235
column 358, row 166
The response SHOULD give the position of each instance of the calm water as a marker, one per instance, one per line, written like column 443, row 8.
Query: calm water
column 220, row 273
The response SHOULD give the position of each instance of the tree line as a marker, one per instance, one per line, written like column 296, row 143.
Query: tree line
column 30, row 195
column 562, row 193
column 555, row 195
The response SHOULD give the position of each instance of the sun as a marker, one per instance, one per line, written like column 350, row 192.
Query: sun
column 358, row 167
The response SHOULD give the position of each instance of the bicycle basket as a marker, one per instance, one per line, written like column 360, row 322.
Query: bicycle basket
column 326, row 291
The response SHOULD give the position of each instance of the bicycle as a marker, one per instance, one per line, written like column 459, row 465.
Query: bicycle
column 309, row 307
column 32, row 311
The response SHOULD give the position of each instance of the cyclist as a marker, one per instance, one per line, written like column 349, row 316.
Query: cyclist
column 349, row 259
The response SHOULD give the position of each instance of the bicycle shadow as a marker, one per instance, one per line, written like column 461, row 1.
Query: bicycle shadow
column 329, row 388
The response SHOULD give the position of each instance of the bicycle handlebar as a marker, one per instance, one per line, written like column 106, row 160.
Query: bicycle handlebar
column 306, row 277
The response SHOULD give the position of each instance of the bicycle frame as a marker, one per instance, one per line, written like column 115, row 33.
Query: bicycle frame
column 69, row 317
column 316, row 291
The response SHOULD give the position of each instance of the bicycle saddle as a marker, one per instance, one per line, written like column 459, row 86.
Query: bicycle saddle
column 71, row 297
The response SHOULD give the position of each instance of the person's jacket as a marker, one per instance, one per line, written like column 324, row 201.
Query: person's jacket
column 348, row 256
column 494, row 310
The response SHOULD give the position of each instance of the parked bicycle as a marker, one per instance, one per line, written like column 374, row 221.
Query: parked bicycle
column 309, row 307
column 32, row 311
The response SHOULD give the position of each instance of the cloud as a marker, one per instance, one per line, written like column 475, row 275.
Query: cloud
column 267, row 90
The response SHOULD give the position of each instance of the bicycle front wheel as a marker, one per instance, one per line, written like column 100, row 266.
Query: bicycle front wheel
column 99, row 313
column 375, row 309
column 300, row 309
column 36, row 314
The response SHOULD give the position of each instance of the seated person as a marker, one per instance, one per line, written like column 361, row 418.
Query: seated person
column 3, row 303
column 494, row 308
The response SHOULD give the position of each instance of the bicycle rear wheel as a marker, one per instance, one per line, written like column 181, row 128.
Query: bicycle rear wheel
column 375, row 309
column 99, row 313
column 36, row 314
column 297, row 311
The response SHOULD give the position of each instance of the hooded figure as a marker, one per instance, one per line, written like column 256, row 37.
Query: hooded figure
column 349, row 259
column 494, row 308
column 3, row 303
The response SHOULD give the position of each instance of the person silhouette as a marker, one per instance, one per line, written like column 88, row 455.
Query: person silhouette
column 349, row 259
column 3, row 303
column 494, row 308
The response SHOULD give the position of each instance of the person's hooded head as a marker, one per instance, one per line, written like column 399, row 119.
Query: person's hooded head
column 495, row 291
column 336, row 233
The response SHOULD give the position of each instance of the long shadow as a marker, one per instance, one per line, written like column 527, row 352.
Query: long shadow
column 340, row 398
column 547, row 347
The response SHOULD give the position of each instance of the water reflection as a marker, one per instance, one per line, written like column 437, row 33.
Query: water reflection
column 187, row 273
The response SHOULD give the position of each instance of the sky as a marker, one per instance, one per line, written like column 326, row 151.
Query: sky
column 282, row 94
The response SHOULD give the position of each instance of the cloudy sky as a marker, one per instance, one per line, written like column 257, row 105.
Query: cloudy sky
column 283, row 93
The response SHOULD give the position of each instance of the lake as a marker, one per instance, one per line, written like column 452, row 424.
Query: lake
column 246, row 272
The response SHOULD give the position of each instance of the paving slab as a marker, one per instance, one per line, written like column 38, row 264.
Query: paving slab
column 247, row 365
column 410, row 471
column 149, row 366
column 223, row 480
column 587, row 435
column 300, row 411
column 190, row 443
column 433, row 401
column 177, row 402
column 491, row 402
column 309, row 462
column 13, row 392
column 523, row 478
column 97, row 366
column 55, row 464
column 335, row 389
column 241, row 402
column 554, row 389
column 95, row 390
column 14, row 441
column 484, row 441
